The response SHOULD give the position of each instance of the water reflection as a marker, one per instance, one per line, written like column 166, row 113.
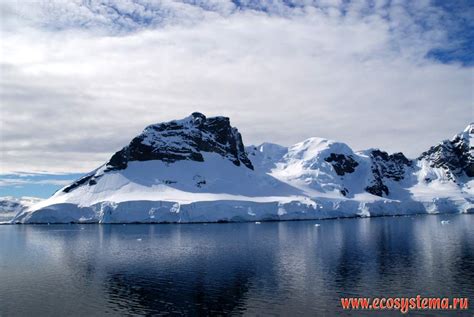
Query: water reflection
column 273, row 268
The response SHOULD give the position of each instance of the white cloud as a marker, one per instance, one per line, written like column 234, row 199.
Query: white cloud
column 23, row 181
column 355, row 73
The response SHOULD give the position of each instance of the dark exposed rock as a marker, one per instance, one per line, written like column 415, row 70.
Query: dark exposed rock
column 389, row 166
column 200, row 181
column 386, row 166
column 78, row 183
column 341, row 163
column 184, row 140
column 91, row 179
column 378, row 188
column 455, row 156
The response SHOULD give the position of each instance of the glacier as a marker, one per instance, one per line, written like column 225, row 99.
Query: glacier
column 197, row 169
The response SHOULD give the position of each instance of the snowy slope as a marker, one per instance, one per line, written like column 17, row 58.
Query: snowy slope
column 197, row 169
column 265, row 156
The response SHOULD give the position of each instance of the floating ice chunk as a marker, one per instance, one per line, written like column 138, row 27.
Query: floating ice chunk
column 257, row 222
column 444, row 222
column 317, row 225
column 139, row 239
column 250, row 212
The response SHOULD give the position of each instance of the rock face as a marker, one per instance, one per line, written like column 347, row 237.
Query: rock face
column 386, row 166
column 455, row 156
column 197, row 169
column 88, row 179
column 342, row 164
column 184, row 140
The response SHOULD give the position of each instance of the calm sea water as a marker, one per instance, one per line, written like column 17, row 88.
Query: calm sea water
column 277, row 268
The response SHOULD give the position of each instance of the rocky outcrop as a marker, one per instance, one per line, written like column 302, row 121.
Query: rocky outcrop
column 91, row 179
column 342, row 164
column 386, row 166
column 455, row 156
column 184, row 140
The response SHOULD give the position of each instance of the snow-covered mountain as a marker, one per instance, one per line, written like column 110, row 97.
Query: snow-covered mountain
column 197, row 169
column 11, row 206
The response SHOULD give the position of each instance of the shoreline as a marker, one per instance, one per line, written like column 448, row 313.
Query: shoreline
column 231, row 222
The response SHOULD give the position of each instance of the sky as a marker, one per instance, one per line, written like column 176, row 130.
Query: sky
column 79, row 79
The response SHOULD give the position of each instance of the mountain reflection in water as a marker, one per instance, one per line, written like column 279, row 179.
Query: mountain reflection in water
column 282, row 268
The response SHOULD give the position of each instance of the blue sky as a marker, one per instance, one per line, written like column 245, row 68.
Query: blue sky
column 36, row 185
column 81, row 78
column 460, row 33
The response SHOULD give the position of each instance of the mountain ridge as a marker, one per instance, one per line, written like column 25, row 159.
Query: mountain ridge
column 169, row 169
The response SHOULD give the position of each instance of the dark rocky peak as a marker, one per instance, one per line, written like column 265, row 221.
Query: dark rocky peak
column 342, row 164
column 184, row 139
column 456, row 156
column 386, row 166
column 390, row 162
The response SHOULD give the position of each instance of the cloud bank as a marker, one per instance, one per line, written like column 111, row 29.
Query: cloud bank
column 80, row 79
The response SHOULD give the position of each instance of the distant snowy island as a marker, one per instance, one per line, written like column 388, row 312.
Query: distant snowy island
column 198, row 170
column 11, row 206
